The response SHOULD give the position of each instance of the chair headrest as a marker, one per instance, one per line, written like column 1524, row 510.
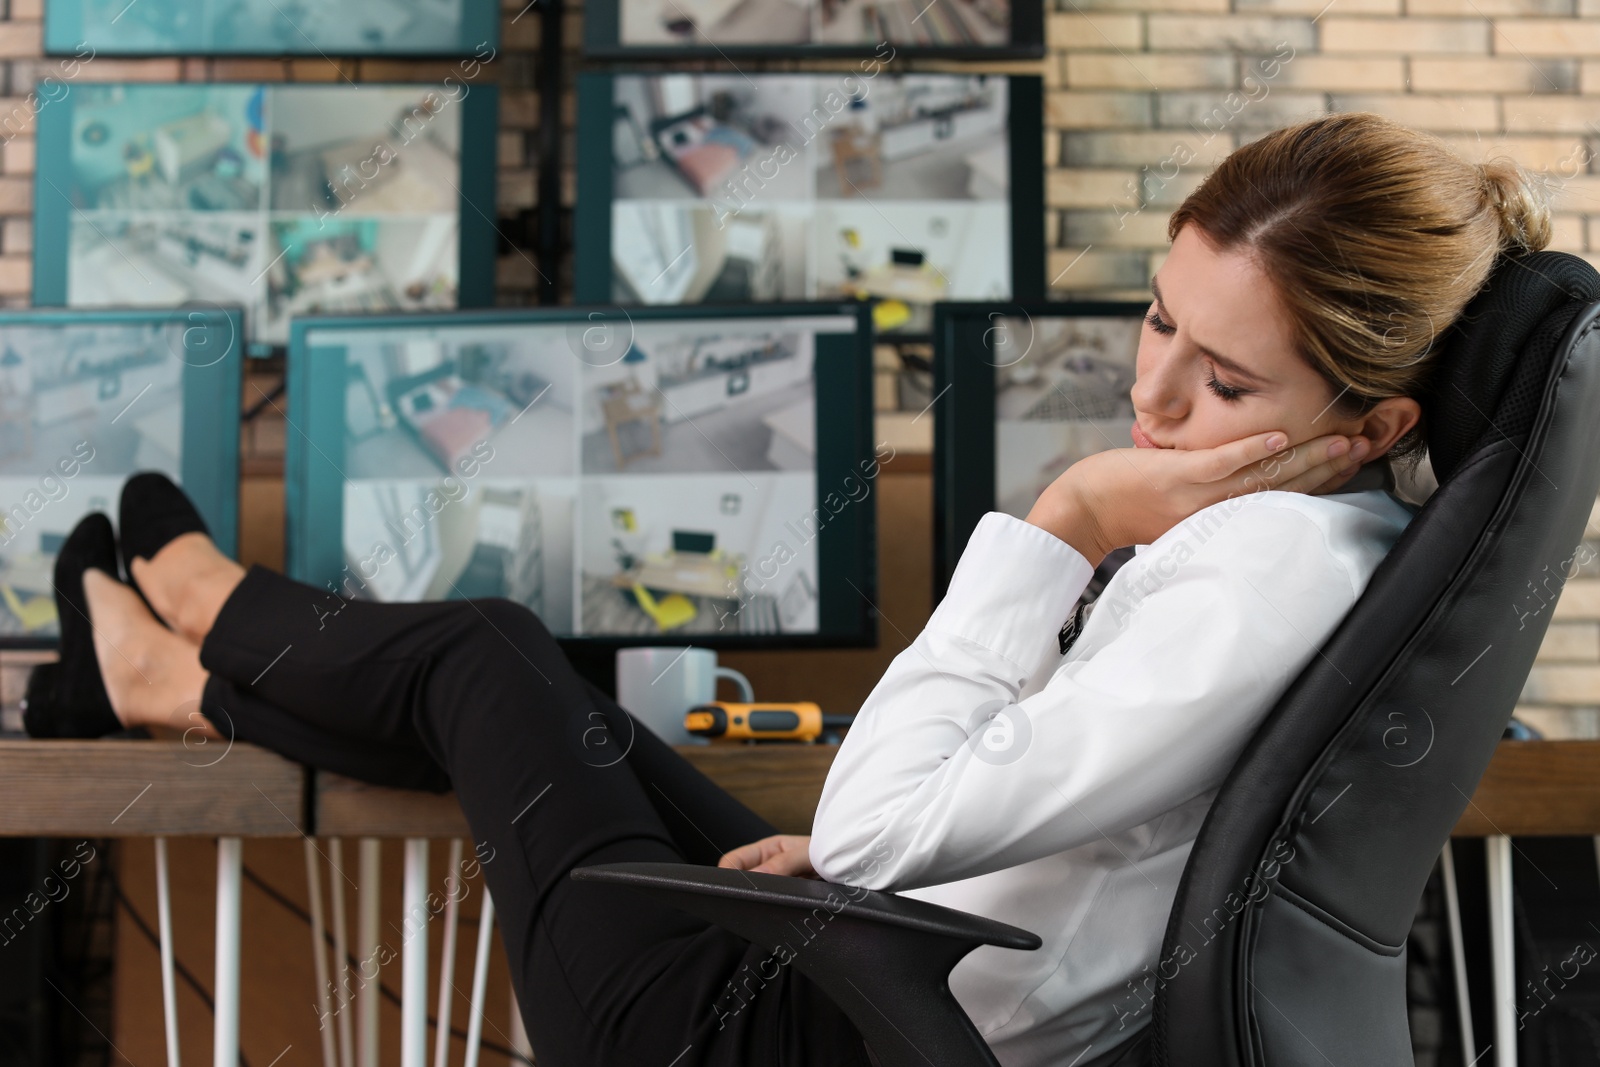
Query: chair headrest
column 1482, row 389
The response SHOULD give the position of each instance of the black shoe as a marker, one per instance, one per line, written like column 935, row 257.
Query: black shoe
column 68, row 698
column 151, row 513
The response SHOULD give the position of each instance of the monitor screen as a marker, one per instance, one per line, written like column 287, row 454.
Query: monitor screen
column 883, row 29
column 731, row 188
column 287, row 199
column 89, row 398
column 671, row 475
column 1025, row 391
column 265, row 27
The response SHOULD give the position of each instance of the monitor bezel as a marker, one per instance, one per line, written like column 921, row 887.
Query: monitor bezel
column 298, row 524
column 212, row 408
column 964, row 423
column 478, row 234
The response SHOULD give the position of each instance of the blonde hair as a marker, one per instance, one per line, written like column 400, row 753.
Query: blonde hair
column 1375, row 236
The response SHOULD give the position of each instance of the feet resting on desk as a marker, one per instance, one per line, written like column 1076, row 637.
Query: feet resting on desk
column 120, row 665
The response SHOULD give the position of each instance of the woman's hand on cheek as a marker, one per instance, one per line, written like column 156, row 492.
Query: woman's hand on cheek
column 1131, row 496
column 1360, row 451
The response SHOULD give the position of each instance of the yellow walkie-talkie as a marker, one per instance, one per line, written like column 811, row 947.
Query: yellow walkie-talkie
column 727, row 720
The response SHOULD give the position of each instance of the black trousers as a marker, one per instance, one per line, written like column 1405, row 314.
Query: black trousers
column 475, row 695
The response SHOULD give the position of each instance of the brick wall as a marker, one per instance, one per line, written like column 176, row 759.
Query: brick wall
column 1131, row 80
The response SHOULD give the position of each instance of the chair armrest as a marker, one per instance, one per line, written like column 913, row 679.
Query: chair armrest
column 900, row 949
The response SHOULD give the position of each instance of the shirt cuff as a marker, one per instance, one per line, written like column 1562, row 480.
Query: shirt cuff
column 1012, row 590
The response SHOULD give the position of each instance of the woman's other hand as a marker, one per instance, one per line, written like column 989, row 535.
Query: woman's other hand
column 788, row 854
column 1131, row 496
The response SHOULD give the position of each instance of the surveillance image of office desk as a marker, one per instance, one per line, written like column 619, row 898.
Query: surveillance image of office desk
column 660, row 587
column 689, row 573
column 914, row 285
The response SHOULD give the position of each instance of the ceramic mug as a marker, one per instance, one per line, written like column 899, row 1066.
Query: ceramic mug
column 660, row 684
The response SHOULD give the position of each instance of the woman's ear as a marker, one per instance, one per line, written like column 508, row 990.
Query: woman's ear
column 1385, row 424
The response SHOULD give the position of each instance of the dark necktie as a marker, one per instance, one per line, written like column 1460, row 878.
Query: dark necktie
column 1097, row 583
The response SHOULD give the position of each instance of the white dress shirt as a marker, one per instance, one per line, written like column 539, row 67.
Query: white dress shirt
column 1071, row 812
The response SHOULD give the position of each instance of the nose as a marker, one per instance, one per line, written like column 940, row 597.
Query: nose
column 1157, row 389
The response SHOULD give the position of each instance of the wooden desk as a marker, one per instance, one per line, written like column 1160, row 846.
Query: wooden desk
column 915, row 285
column 780, row 783
column 690, row 573
column 108, row 788
column 115, row 788
column 118, row 788
column 1537, row 789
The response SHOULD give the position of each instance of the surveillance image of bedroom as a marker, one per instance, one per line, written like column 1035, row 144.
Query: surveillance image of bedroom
column 916, row 137
column 358, row 264
column 699, row 554
column 692, row 398
column 382, row 150
column 459, row 538
column 711, row 136
column 722, row 22
column 500, row 403
column 81, row 408
column 167, row 147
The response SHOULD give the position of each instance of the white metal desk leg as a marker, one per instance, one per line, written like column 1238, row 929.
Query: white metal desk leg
column 1501, row 946
column 480, row 980
column 447, row 960
column 367, row 934
column 225, row 1039
column 1458, row 958
column 319, row 952
column 414, row 957
column 169, row 987
column 341, row 950
column 519, row 1032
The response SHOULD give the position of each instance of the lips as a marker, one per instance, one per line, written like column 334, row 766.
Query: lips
column 1142, row 441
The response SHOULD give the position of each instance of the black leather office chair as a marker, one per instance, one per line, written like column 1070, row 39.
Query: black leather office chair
column 1285, row 944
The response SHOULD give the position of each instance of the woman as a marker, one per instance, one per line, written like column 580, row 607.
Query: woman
column 1045, row 775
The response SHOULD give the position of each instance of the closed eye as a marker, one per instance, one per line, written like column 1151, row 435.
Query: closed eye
column 1156, row 324
column 1226, row 392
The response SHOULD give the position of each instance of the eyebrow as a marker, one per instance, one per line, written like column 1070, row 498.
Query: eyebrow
column 1232, row 366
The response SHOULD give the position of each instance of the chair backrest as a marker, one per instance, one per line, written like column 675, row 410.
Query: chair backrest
column 1285, row 944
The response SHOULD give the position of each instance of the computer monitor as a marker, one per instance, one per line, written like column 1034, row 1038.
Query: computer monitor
column 1024, row 392
column 693, row 541
column 87, row 398
column 284, row 199
column 266, row 27
column 906, row 189
column 874, row 30
column 678, row 475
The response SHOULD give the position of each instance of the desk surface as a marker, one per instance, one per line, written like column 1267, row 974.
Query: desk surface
column 692, row 573
column 111, row 788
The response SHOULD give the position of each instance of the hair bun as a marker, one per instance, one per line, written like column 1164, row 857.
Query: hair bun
column 1520, row 202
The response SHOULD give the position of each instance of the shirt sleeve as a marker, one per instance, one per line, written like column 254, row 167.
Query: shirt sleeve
column 950, row 772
